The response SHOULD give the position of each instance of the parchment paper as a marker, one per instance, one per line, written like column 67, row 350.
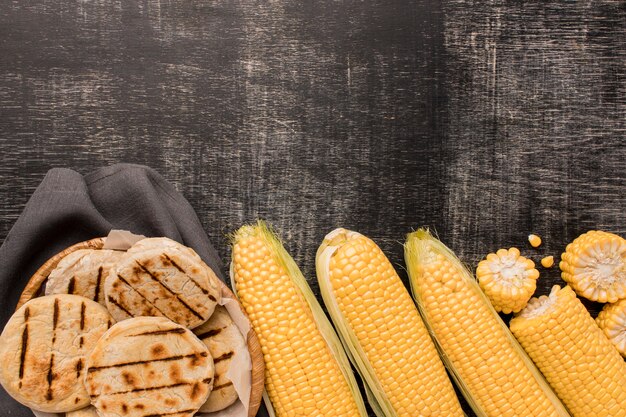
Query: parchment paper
column 240, row 371
column 121, row 240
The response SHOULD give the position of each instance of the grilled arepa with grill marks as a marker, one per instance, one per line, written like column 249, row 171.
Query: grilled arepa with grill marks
column 149, row 366
column 162, row 282
column 43, row 351
column 83, row 273
column 224, row 340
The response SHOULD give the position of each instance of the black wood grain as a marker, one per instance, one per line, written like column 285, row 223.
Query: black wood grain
column 483, row 121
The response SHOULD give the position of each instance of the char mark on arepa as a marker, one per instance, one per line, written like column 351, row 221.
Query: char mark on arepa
column 70, row 285
column 24, row 343
column 177, row 330
column 168, row 359
column 159, row 387
column 210, row 333
column 121, row 278
column 82, row 315
column 120, row 306
column 217, row 387
column 223, row 357
column 55, row 315
column 155, row 278
column 98, row 284
column 204, row 290
column 79, row 367
column 50, row 378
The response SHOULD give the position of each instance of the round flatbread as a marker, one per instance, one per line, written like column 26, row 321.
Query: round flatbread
column 83, row 412
column 83, row 273
column 149, row 366
column 43, row 349
column 162, row 282
column 225, row 342
column 162, row 243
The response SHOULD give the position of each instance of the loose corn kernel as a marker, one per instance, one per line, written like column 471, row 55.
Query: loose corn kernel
column 547, row 261
column 577, row 359
column 594, row 265
column 396, row 356
column 493, row 372
column 508, row 279
column 612, row 321
column 304, row 376
column 534, row 240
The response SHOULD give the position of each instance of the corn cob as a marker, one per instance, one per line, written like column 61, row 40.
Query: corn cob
column 594, row 265
column 381, row 329
column 307, row 372
column 508, row 279
column 612, row 321
column 583, row 367
column 491, row 369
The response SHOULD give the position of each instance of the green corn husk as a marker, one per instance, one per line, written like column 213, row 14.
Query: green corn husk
column 282, row 257
column 422, row 248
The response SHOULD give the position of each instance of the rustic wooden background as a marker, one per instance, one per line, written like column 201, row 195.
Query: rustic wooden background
column 485, row 121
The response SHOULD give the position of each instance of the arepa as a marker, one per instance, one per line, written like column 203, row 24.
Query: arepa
column 149, row 366
column 43, row 349
column 162, row 282
column 225, row 342
column 83, row 273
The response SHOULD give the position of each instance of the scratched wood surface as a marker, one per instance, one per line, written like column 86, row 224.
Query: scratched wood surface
column 483, row 121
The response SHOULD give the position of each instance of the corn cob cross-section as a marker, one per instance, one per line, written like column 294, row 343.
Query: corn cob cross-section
column 581, row 364
column 381, row 329
column 491, row 369
column 508, row 279
column 307, row 371
column 594, row 265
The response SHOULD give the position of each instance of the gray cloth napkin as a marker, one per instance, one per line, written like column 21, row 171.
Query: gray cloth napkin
column 68, row 208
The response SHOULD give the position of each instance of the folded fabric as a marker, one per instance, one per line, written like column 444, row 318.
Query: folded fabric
column 68, row 207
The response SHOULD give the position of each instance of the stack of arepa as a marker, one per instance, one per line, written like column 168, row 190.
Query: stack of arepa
column 130, row 333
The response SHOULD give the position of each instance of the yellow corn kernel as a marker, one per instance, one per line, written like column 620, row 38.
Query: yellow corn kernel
column 491, row 369
column 534, row 240
column 381, row 328
column 594, row 265
column 547, row 261
column 577, row 359
column 307, row 372
column 612, row 321
column 508, row 279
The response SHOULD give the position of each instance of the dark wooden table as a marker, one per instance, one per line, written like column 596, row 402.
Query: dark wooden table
column 484, row 121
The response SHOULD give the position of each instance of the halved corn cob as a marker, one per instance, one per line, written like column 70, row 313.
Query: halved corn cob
column 594, row 265
column 307, row 371
column 491, row 369
column 382, row 329
column 583, row 367
column 508, row 279
column 612, row 321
